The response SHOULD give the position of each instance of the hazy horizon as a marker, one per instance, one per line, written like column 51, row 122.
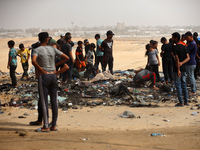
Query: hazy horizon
column 23, row 14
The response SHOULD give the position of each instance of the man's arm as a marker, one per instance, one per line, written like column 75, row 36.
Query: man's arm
column 65, row 58
column 63, row 69
column 185, row 60
column 177, row 65
column 40, row 69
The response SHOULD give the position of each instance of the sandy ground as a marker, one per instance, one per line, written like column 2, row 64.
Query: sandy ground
column 100, row 127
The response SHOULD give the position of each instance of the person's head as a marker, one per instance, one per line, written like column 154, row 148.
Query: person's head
column 86, row 42
column 189, row 36
column 92, row 46
column 183, row 38
column 155, row 44
column 21, row 46
column 62, row 36
column 195, row 34
column 55, row 45
column 43, row 37
column 68, row 38
column 97, row 36
column 80, row 44
column 109, row 34
column 11, row 44
column 148, row 48
column 170, row 40
column 151, row 42
column 176, row 37
column 68, row 33
column 60, row 42
column 163, row 40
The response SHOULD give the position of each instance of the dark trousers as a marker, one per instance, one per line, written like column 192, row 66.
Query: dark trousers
column 196, row 71
column 12, row 75
column 90, row 69
column 154, row 68
column 149, row 77
column 99, row 59
column 25, row 68
column 68, row 72
column 47, row 84
column 108, row 60
column 167, row 69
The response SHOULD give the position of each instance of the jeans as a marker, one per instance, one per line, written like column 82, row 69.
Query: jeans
column 68, row 72
column 154, row 68
column 12, row 75
column 181, row 87
column 108, row 60
column 25, row 68
column 190, row 76
column 167, row 68
column 99, row 59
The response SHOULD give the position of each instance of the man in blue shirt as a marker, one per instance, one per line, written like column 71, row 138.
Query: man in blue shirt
column 12, row 62
column 191, row 64
column 99, row 53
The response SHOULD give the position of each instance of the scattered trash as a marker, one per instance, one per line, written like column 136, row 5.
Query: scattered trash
column 127, row 114
column 84, row 139
column 21, row 117
column 158, row 134
column 166, row 120
column 194, row 113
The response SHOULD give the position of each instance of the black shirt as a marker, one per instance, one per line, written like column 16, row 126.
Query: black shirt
column 79, row 53
column 87, row 48
column 167, row 48
column 107, row 47
column 181, row 51
column 66, row 48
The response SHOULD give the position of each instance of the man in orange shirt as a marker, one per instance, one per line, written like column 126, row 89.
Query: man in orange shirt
column 183, row 38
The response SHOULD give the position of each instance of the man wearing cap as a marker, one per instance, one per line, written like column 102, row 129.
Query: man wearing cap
column 191, row 64
column 107, row 48
column 87, row 46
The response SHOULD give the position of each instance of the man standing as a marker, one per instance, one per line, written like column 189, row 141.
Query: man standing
column 87, row 46
column 196, row 72
column 181, row 58
column 166, row 60
column 191, row 64
column 107, row 48
column 99, row 53
column 43, row 60
column 12, row 62
column 67, row 50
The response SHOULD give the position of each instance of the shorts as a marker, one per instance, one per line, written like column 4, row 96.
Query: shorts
column 80, row 65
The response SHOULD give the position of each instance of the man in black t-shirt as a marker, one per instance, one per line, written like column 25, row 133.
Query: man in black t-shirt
column 107, row 48
column 181, row 58
column 167, row 60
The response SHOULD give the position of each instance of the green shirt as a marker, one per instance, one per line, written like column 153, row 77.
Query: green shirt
column 98, row 51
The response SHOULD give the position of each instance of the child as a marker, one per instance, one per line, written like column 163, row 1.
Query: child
column 24, row 53
column 80, row 63
column 12, row 62
column 153, row 60
column 89, row 61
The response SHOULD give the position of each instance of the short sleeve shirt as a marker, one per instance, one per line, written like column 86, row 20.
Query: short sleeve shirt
column 90, row 57
column 23, row 54
column 152, row 57
column 46, row 57
column 13, row 55
column 98, row 51
column 66, row 48
column 181, row 51
column 79, row 53
column 107, row 47
column 167, row 49
column 192, row 50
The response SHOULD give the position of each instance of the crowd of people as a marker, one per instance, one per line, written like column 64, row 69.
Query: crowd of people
column 51, row 58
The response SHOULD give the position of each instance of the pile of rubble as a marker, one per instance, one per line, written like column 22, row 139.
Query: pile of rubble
column 105, row 89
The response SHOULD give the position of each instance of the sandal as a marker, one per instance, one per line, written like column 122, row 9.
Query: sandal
column 53, row 129
column 42, row 130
